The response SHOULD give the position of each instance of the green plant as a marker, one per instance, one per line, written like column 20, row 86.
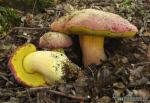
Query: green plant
column 8, row 19
column 127, row 4
column 45, row 3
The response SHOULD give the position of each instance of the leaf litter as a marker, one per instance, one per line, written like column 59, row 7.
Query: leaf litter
column 125, row 73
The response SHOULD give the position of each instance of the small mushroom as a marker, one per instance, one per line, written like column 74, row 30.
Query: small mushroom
column 39, row 68
column 55, row 41
column 92, row 26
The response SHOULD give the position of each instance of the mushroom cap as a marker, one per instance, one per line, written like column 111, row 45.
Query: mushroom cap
column 54, row 40
column 16, row 66
column 94, row 22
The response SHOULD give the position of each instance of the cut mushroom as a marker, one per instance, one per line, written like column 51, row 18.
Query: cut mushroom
column 92, row 26
column 39, row 68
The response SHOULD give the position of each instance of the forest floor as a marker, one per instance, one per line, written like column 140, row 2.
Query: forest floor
column 126, row 73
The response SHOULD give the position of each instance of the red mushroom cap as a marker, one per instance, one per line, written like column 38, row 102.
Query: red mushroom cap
column 95, row 22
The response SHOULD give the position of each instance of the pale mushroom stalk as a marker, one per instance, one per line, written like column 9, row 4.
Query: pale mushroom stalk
column 95, row 55
column 42, row 63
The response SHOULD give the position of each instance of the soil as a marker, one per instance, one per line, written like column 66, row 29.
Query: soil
column 125, row 74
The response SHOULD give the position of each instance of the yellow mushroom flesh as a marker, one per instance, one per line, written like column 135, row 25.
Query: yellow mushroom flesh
column 47, row 63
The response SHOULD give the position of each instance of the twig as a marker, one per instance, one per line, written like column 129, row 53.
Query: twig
column 6, row 92
column 3, row 76
column 67, row 95
column 91, row 71
column 38, row 99
column 142, row 63
column 27, row 28
column 35, row 2
column 81, row 99
column 30, row 100
column 1, row 73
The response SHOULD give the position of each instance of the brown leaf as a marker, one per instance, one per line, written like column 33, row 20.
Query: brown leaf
column 142, row 93
column 28, row 19
column 146, row 34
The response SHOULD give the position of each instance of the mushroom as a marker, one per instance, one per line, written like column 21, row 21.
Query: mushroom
column 55, row 41
column 40, row 68
column 92, row 26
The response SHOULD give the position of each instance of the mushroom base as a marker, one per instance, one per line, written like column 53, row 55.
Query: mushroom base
column 92, row 49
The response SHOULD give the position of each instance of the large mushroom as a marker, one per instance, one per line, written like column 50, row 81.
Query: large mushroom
column 39, row 68
column 92, row 26
column 55, row 41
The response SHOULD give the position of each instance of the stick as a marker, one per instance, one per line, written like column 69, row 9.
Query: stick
column 81, row 99
column 26, row 28
column 142, row 63
column 34, row 5
column 29, row 28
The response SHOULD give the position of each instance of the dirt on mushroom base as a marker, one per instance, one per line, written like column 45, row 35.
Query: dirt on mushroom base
column 127, row 66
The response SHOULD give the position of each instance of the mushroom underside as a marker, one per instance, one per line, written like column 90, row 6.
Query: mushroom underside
column 16, row 66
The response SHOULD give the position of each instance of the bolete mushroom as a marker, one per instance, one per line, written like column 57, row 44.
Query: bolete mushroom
column 55, row 41
column 92, row 26
column 39, row 68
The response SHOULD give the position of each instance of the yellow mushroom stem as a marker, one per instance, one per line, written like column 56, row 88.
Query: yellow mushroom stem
column 44, row 63
column 92, row 49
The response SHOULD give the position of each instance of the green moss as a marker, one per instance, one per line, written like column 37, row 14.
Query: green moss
column 127, row 4
column 45, row 4
column 8, row 19
column 27, row 5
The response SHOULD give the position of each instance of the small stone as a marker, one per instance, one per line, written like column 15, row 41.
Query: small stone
column 144, row 46
column 25, row 33
column 136, row 55
column 104, row 99
column 119, row 85
column 124, row 60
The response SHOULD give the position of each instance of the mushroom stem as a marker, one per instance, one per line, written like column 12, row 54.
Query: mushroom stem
column 92, row 49
column 43, row 63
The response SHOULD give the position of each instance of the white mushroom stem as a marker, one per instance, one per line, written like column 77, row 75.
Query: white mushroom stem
column 92, row 49
column 47, row 63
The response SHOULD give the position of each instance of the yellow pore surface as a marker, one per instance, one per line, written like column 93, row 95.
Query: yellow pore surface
column 16, row 63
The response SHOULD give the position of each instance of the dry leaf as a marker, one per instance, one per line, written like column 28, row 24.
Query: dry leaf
column 146, row 34
column 28, row 19
column 142, row 93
